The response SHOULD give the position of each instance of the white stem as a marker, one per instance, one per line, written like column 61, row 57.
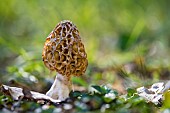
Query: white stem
column 60, row 88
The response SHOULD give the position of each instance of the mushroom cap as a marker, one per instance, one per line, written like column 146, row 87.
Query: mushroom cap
column 63, row 50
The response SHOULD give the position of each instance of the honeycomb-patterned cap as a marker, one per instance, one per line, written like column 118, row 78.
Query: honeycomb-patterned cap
column 63, row 50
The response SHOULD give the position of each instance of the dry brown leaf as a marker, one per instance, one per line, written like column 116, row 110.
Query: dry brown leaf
column 19, row 93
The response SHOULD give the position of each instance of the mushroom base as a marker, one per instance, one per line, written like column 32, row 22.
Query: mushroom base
column 61, row 88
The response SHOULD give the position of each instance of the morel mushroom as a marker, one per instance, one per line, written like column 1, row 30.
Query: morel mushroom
column 64, row 53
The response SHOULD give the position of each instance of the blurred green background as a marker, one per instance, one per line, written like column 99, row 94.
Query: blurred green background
column 121, row 37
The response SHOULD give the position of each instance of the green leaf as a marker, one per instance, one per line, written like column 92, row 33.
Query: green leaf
column 100, row 89
column 75, row 94
column 130, row 92
column 166, row 102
